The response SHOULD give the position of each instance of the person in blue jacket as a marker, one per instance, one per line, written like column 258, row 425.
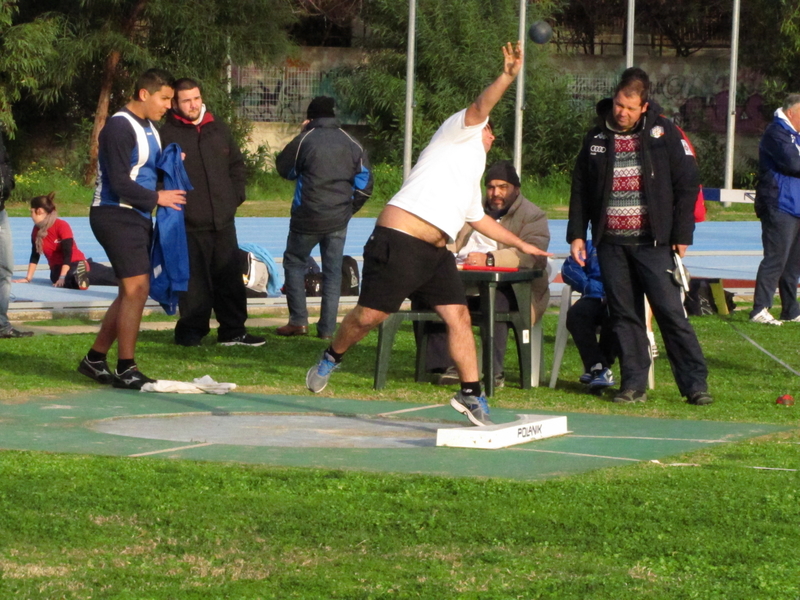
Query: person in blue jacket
column 334, row 181
column 586, row 316
column 777, row 205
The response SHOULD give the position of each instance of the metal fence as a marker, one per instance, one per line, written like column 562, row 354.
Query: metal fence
column 278, row 94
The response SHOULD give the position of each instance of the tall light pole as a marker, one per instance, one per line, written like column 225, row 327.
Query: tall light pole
column 410, row 60
column 630, row 33
column 729, row 146
column 520, row 104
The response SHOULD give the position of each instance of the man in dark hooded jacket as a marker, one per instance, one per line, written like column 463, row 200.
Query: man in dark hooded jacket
column 333, row 182
column 216, row 169
column 636, row 182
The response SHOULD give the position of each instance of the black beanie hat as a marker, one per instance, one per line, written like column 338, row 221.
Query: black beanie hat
column 504, row 171
column 321, row 106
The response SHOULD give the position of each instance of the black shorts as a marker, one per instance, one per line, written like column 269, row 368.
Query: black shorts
column 126, row 236
column 399, row 266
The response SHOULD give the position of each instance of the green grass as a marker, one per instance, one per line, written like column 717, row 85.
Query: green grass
column 96, row 527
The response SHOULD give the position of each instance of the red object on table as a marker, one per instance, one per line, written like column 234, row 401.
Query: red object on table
column 480, row 268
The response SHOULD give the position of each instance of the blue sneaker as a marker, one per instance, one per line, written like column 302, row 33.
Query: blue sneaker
column 602, row 378
column 318, row 375
column 587, row 377
column 474, row 407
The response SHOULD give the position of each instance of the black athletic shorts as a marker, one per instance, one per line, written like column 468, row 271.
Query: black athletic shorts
column 399, row 266
column 126, row 236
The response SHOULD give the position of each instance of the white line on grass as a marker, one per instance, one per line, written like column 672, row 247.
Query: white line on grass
column 577, row 454
column 170, row 450
column 633, row 437
column 405, row 410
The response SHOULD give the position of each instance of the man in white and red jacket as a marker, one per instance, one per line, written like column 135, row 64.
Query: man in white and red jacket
column 636, row 183
column 216, row 169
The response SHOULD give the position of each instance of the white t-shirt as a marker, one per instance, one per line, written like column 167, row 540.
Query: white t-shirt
column 444, row 187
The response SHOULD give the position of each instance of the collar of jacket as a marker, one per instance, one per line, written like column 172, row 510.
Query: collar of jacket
column 205, row 118
column 330, row 122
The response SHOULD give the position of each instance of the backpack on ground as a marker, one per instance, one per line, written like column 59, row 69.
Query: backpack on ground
column 313, row 279
column 700, row 299
column 255, row 274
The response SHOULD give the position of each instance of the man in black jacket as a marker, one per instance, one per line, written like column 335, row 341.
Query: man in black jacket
column 216, row 169
column 333, row 182
column 636, row 182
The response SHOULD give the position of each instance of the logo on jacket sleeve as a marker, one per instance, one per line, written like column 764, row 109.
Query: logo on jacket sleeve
column 657, row 131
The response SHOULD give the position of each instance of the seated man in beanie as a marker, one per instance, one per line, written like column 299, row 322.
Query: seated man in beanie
column 504, row 203
column 333, row 182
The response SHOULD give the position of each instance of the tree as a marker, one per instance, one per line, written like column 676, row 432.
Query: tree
column 687, row 24
column 458, row 54
column 769, row 43
column 110, row 42
column 26, row 50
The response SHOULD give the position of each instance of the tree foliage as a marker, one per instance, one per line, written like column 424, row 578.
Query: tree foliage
column 108, row 43
column 26, row 52
column 769, row 43
column 687, row 24
column 458, row 54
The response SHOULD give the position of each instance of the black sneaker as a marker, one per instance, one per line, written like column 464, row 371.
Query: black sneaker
column 630, row 396
column 700, row 398
column 244, row 340
column 97, row 370
column 131, row 379
column 14, row 333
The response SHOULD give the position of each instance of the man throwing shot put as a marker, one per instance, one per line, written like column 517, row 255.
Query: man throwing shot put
column 406, row 255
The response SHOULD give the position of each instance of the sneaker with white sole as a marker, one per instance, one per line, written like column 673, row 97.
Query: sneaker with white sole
column 475, row 408
column 244, row 340
column 97, row 370
column 602, row 378
column 765, row 318
column 130, row 379
column 318, row 375
column 795, row 320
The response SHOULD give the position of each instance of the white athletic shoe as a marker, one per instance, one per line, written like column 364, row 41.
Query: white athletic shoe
column 765, row 318
column 795, row 320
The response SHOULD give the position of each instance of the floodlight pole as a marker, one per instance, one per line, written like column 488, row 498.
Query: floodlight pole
column 729, row 146
column 629, row 30
column 520, row 104
column 410, row 59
